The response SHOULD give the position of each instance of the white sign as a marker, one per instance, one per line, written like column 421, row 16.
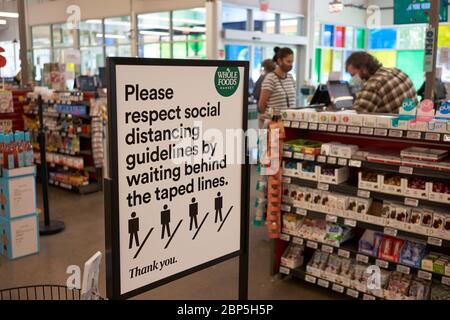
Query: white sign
column 429, row 49
column 89, row 290
column 179, row 194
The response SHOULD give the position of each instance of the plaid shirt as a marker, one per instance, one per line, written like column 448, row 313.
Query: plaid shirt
column 384, row 92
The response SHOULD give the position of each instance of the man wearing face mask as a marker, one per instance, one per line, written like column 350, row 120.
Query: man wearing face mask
column 383, row 90
column 278, row 88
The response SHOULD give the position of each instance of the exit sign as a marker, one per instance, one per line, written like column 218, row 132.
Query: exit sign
column 417, row 11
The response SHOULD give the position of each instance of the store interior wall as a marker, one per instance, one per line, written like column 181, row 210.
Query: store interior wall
column 350, row 16
column 10, row 31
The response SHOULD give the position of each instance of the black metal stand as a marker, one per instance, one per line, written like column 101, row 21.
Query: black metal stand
column 46, row 227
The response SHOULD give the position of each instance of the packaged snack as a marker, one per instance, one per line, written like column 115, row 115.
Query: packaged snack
column 440, row 192
column 428, row 261
column 416, row 216
column 293, row 256
column 412, row 253
column 447, row 224
column 290, row 168
column 336, row 234
column 423, row 154
column 391, row 183
column 352, row 204
column 417, row 188
column 363, row 205
column 439, row 265
column 291, row 223
column 333, row 267
column 386, row 248
column 342, row 203
column 440, row 292
column 420, row 289
column 438, row 221
column 427, row 219
column 368, row 244
column 399, row 285
column 386, row 210
column 368, row 180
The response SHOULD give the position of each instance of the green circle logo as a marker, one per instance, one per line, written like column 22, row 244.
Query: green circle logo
column 227, row 80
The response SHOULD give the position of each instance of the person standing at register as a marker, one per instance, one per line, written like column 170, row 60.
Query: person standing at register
column 383, row 90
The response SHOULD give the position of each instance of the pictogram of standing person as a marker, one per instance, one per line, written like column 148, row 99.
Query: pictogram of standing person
column 193, row 213
column 165, row 221
column 218, row 204
column 133, row 229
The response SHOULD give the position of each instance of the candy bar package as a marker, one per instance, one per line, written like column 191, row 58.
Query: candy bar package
column 390, row 248
column 439, row 221
column 423, row 154
column 342, row 203
column 417, row 188
column 363, row 205
column 291, row 223
column 420, row 289
column 316, row 198
column 368, row 180
column 416, row 216
column 386, row 210
column 427, row 218
column 428, row 261
column 399, row 285
column 369, row 243
column 391, row 183
column 440, row 292
column 333, row 267
column 358, row 276
column 384, row 281
column 447, row 224
column 290, row 168
column 440, row 192
column 412, row 253
column 293, row 256
column 352, row 204
column 336, row 235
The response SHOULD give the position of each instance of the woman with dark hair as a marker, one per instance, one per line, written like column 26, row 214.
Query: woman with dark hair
column 268, row 66
column 278, row 89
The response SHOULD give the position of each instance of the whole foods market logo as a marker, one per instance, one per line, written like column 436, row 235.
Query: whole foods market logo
column 227, row 80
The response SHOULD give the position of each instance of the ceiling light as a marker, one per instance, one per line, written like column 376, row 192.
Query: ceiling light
column 9, row 14
column 336, row 6
column 111, row 36
column 3, row 22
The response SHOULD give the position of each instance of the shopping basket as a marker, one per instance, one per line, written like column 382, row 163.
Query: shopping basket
column 42, row 292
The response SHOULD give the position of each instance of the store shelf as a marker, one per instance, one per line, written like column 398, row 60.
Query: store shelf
column 300, row 273
column 376, row 133
column 87, row 189
column 57, row 115
column 368, row 165
column 68, row 169
column 365, row 221
column 349, row 249
column 348, row 189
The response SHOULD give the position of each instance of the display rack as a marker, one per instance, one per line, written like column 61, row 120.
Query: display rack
column 75, row 160
column 367, row 138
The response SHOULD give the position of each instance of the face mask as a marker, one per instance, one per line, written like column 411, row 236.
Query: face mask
column 287, row 68
column 357, row 81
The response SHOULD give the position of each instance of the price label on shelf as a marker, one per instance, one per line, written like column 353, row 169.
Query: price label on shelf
column 299, row 156
column 310, row 157
column 286, row 208
column 364, row 194
column 381, row 132
column 287, row 124
column 353, row 293
column 298, row 241
column 302, row 212
column 323, row 127
column 344, row 253
column 431, row 136
column 396, row 133
column 343, row 162
column 327, row 249
column 287, row 154
column 310, row 279
column 332, row 160
column 435, row 241
column 390, row 232
column 342, row 129
column 350, row 222
column 285, row 237
column 367, row 131
column 331, row 218
column 322, row 159
column 411, row 202
column 312, row 244
column 313, row 126
column 424, row 275
column 368, row 297
column 406, row 170
column 416, row 135
column 287, row 180
column 295, row 124
column 303, row 125
column 337, row 288
column 355, row 163
column 403, row 269
column 446, row 281
column 382, row 264
column 285, row 270
column 323, row 283
column 362, row 258
column 332, row 128
column 354, row 130
column 323, row 186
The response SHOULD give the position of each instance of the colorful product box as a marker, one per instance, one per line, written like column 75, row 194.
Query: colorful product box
column 416, row 188
column 385, row 122
column 392, row 184
column 333, row 175
column 440, row 192
column 408, row 110
column 426, row 112
column 19, row 237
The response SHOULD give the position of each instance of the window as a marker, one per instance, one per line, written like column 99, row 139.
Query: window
column 91, row 59
column 189, row 33
column 154, row 27
column 383, row 39
column 62, row 35
column 411, row 38
column 40, row 57
column 41, row 37
column 264, row 21
column 290, row 24
column 91, row 33
column 117, row 31
column 234, row 18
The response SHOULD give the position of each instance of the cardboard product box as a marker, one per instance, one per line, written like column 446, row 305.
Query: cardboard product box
column 418, row 126
column 345, row 118
column 437, row 126
column 425, row 111
column 443, row 112
column 408, row 110
column 356, row 120
column 18, row 192
column 423, row 154
column 399, row 124
column 447, row 269
column 19, row 237
column 439, row 192
column 333, row 175
column 416, row 187
column 290, row 168
column 369, row 120
column 325, row 117
column 313, row 116
column 335, row 118
column 368, row 180
column 309, row 171
column 439, row 265
column 384, row 158
column 385, row 122
column 347, row 151
column 428, row 261
column 327, row 148
column 392, row 184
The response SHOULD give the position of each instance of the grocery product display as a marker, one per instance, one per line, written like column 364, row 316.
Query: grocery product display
column 74, row 132
column 360, row 202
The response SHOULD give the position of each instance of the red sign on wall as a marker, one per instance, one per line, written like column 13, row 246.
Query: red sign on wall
column 3, row 60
